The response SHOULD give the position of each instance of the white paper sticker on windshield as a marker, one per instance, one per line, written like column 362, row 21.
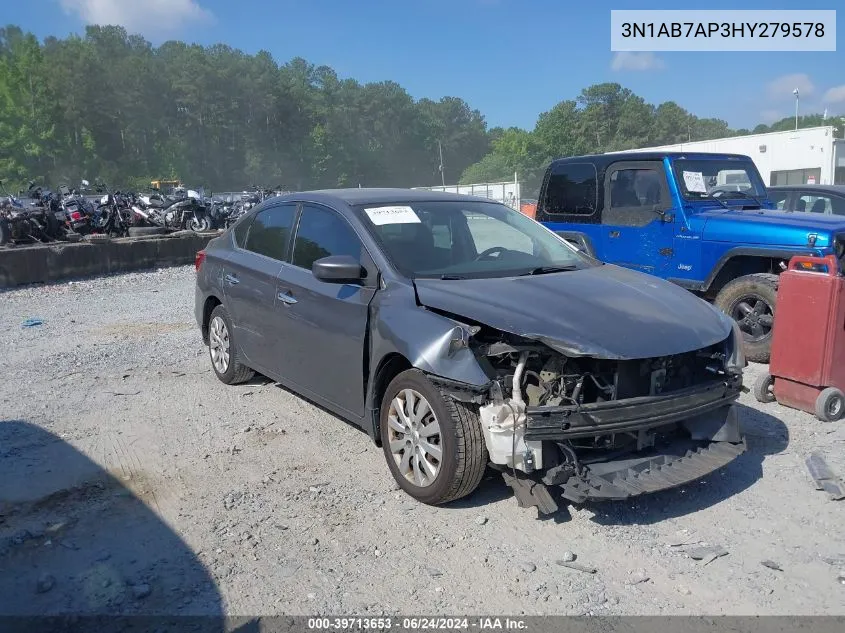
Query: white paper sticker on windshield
column 694, row 180
column 392, row 215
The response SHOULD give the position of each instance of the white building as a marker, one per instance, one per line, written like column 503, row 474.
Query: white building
column 807, row 156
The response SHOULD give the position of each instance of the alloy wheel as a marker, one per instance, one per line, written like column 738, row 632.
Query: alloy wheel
column 218, row 335
column 415, row 439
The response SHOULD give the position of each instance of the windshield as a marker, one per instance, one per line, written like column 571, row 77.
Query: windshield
column 699, row 179
column 459, row 240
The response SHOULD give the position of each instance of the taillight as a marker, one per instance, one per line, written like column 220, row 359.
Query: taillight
column 199, row 259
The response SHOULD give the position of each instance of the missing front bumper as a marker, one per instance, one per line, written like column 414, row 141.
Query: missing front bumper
column 633, row 414
column 676, row 465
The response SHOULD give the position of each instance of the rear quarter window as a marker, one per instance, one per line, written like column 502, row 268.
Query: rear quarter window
column 572, row 189
column 240, row 231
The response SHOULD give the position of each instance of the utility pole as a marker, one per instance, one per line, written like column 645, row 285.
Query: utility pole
column 795, row 92
column 442, row 172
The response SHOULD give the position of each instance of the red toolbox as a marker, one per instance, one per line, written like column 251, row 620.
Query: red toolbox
column 807, row 367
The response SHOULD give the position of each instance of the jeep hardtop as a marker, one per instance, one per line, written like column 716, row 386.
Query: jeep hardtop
column 702, row 221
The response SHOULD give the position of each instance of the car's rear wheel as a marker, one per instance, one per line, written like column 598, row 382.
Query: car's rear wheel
column 433, row 444
column 223, row 350
column 750, row 301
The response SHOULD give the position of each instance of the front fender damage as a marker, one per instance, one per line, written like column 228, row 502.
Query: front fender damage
column 595, row 428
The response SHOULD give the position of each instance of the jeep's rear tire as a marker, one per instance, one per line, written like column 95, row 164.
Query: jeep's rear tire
column 750, row 301
column 433, row 444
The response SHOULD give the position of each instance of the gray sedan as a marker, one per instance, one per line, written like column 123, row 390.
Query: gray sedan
column 461, row 335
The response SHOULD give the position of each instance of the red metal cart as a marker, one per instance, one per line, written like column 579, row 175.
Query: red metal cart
column 807, row 367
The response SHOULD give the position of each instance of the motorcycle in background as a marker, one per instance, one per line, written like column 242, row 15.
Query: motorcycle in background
column 183, row 210
column 255, row 195
column 114, row 212
column 81, row 215
column 21, row 224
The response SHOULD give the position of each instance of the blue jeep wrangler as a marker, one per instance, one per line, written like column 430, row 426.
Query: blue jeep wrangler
column 702, row 221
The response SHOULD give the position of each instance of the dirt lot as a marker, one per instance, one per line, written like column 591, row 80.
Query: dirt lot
column 131, row 481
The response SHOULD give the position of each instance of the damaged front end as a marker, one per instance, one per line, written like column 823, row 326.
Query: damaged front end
column 599, row 428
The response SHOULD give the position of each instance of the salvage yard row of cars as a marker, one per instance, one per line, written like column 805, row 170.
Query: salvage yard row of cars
column 461, row 334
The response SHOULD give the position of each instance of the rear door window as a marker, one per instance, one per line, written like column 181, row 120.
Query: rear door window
column 269, row 233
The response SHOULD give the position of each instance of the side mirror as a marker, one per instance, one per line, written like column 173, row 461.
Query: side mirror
column 338, row 269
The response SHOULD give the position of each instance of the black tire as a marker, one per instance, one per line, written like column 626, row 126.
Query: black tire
column 763, row 388
column 236, row 372
column 5, row 232
column 200, row 224
column 143, row 231
column 463, row 451
column 830, row 405
column 742, row 293
column 52, row 227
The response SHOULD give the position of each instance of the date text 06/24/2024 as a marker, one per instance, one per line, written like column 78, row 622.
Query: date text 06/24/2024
column 416, row 624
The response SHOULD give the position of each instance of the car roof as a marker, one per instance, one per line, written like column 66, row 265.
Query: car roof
column 603, row 160
column 836, row 189
column 380, row 196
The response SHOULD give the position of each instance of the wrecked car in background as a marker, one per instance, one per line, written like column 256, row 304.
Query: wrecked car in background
column 460, row 334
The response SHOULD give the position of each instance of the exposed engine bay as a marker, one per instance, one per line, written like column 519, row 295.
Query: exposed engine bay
column 605, row 429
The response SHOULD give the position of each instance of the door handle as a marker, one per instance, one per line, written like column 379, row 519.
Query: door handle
column 614, row 234
column 231, row 279
column 285, row 298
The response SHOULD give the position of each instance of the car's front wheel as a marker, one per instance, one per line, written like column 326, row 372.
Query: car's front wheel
column 433, row 444
column 223, row 351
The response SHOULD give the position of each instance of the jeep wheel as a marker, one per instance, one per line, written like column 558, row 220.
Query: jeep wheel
column 750, row 301
column 433, row 444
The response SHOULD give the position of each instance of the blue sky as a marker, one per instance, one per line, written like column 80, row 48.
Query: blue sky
column 511, row 59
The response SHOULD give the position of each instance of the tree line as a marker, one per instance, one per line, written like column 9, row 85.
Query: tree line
column 111, row 106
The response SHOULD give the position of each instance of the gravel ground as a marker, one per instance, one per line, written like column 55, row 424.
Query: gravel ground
column 132, row 481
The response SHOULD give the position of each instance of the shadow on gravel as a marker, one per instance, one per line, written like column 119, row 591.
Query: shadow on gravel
column 75, row 540
column 765, row 435
column 491, row 489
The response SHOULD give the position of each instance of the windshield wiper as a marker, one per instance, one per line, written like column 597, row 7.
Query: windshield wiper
column 543, row 270
column 707, row 196
column 748, row 195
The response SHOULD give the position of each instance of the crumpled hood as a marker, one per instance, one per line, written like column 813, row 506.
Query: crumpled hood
column 766, row 226
column 603, row 311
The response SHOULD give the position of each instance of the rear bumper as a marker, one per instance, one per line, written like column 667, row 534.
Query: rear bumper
column 633, row 414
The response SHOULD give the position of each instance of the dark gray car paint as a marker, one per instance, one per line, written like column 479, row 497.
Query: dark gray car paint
column 328, row 321
column 602, row 311
column 578, row 312
column 251, row 303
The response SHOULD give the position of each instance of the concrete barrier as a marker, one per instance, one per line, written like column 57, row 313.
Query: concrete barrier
column 44, row 263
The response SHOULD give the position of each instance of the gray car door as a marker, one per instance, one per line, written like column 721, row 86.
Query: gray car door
column 249, row 282
column 327, row 322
